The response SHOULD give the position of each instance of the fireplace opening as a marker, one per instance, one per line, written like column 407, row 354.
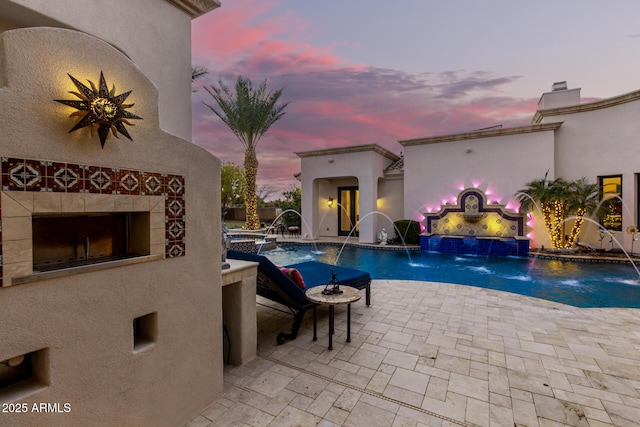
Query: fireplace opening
column 66, row 241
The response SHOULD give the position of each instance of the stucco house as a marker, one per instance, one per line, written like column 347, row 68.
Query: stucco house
column 343, row 187
column 110, row 291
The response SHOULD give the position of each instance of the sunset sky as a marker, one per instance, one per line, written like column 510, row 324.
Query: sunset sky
column 361, row 72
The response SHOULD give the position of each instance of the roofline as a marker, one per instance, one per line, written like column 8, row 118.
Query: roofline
column 196, row 8
column 557, row 91
column 351, row 149
column 482, row 134
column 589, row 106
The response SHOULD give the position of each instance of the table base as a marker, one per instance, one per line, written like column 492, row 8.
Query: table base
column 331, row 324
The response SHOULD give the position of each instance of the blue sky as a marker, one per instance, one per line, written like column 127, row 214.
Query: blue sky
column 360, row 72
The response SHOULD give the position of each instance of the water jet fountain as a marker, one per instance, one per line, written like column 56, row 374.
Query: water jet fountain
column 404, row 244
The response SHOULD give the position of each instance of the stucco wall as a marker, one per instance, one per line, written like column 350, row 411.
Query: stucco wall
column 326, row 217
column 599, row 143
column 391, row 203
column 85, row 320
column 366, row 166
column 147, row 31
column 435, row 173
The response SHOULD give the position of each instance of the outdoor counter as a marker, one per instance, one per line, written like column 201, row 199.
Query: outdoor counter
column 239, row 311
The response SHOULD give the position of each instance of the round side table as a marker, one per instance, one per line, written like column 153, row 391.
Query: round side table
column 349, row 295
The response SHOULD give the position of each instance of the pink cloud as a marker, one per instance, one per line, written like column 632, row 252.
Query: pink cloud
column 227, row 33
column 333, row 102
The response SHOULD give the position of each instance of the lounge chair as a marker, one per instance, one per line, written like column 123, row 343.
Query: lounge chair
column 275, row 285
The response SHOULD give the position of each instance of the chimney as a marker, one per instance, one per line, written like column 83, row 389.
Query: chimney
column 559, row 86
column 560, row 96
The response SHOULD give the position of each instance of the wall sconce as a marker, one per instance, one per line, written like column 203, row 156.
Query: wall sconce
column 100, row 108
column 330, row 202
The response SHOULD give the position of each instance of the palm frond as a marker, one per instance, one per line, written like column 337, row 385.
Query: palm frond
column 197, row 72
column 247, row 110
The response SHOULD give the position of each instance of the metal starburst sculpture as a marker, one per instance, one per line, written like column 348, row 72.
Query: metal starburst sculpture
column 101, row 109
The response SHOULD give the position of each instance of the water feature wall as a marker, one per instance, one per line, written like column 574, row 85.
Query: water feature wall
column 473, row 226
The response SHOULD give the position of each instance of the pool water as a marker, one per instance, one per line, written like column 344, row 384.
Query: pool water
column 575, row 283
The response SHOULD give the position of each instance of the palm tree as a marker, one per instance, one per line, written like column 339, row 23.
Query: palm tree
column 583, row 198
column 249, row 112
column 551, row 196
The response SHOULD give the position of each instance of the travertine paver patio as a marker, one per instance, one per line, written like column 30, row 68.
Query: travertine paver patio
column 432, row 354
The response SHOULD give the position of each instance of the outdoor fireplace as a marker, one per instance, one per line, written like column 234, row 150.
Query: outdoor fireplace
column 66, row 241
column 94, row 219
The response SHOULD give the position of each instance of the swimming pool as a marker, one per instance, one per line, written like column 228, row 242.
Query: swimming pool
column 574, row 283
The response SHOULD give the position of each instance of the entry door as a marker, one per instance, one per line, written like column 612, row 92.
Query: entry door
column 349, row 206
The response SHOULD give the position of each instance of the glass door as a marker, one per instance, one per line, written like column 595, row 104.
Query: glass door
column 349, row 208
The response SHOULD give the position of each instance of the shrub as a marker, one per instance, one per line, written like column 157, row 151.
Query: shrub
column 409, row 230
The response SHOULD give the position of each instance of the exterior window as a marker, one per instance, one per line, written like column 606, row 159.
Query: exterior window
column 611, row 190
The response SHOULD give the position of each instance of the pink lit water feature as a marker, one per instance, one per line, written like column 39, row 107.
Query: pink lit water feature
column 475, row 226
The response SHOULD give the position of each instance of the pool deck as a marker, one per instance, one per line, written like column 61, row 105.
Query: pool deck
column 434, row 354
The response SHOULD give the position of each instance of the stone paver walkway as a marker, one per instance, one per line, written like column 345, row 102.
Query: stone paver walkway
column 433, row 354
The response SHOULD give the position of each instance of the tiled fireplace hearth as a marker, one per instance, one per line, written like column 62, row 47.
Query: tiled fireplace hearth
column 38, row 188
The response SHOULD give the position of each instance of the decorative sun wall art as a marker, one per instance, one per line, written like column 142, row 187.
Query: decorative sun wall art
column 101, row 109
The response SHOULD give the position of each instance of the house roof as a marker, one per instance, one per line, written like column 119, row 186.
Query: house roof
column 196, row 8
column 351, row 149
column 486, row 133
column 589, row 106
column 396, row 167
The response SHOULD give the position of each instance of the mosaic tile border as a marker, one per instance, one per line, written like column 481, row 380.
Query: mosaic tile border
column 481, row 246
column 50, row 176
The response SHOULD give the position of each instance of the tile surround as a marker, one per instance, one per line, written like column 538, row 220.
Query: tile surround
column 132, row 190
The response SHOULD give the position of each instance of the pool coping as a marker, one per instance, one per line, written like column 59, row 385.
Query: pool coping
column 585, row 258
column 532, row 253
column 540, row 255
